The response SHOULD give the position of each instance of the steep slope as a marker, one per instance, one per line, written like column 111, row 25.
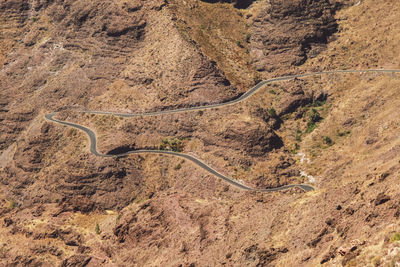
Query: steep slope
column 79, row 54
column 61, row 205
column 296, row 30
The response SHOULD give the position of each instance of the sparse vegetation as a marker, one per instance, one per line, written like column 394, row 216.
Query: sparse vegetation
column 286, row 117
column 34, row 19
column 133, row 60
column 12, row 204
column 395, row 237
column 216, row 28
column 395, row 260
column 97, row 229
column 298, row 135
column 310, row 127
column 104, row 122
column 295, row 148
column 272, row 112
column 341, row 134
column 314, row 117
column 248, row 36
column 172, row 144
column 318, row 103
column 327, row 140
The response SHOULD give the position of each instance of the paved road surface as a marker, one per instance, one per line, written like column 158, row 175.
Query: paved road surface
column 93, row 139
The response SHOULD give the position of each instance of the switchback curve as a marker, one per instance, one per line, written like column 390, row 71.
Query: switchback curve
column 201, row 164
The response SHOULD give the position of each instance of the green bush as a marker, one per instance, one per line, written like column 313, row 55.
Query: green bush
column 310, row 126
column 272, row 112
column 97, row 229
column 327, row 140
column 395, row 237
column 318, row 103
column 12, row 204
column 341, row 134
column 172, row 144
column 314, row 117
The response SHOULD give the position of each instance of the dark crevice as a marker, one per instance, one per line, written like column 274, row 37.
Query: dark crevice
column 121, row 150
column 240, row 4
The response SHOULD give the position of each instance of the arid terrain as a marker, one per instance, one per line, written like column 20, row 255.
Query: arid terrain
column 60, row 205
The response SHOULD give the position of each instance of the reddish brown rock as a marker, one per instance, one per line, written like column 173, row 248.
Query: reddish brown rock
column 295, row 31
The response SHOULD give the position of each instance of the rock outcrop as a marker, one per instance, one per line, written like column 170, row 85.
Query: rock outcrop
column 285, row 33
column 60, row 205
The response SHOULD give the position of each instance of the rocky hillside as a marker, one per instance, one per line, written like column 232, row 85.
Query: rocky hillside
column 296, row 31
column 62, row 206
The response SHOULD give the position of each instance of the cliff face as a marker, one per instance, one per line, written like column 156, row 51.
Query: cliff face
column 59, row 204
column 286, row 33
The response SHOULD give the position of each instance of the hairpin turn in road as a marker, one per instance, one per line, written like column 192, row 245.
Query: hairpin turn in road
column 198, row 162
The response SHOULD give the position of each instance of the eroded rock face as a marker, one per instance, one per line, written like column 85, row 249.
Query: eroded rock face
column 255, row 139
column 76, row 260
column 46, row 38
column 65, row 53
column 287, row 32
column 62, row 206
column 252, row 138
column 106, row 21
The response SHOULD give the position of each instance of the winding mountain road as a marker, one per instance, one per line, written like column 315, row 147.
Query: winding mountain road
column 93, row 138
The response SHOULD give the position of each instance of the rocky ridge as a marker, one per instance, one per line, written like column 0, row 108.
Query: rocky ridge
column 296, row 30
column 61, row 205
